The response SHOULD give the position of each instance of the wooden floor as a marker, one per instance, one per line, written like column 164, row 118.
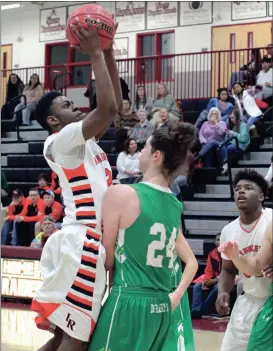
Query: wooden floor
column 19, row 333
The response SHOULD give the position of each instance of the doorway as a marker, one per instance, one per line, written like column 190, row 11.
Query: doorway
column 5, row 66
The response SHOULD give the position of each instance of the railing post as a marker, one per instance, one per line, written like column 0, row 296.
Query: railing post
column 219, row 70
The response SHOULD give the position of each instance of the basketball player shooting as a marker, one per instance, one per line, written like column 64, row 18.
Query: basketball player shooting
column 72, row 262
column 142, row 239
column 261, row 334
column 250, row 189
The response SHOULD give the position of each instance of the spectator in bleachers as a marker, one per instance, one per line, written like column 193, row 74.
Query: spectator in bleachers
column 211, row 135
column 48, row 227
column 128, row 163
column 249, row 71
column 127, row 118
column 240, row 130
column 32, row 212
column 43, row 183
column 165, row 100
column 14, row 208
column 164, row 119
column 221, row 102
column 33, row 92
column 55, row 185
column 52, row 208
column 265, row 81
column 142, row 130
column 207, row 284
column 245, row 102
column 15, row 88
column 142, row 101
column 269, row 53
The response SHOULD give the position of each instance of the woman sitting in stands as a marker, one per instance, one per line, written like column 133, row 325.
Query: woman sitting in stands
column 165, row 100
column 238, row 129
column 127, row 118
column 211, row 135
column 142, row 101
column 15, row 88
column 33, row 93
column 128, row 163
column 248, row 109
column 221, row 102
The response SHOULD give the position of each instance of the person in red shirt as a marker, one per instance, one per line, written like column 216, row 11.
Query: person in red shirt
column 52, row 208
column 207, row 282
column 14, row 208
column 32, row 212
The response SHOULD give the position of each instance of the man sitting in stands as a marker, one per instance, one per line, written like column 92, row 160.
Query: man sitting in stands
column 48, row 227
column 164, row 119
column 32, row 212
column 14, row 208
column 52, row 208
column 207, row 282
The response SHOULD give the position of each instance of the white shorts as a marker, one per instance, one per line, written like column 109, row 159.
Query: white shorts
column 74, row 277
column 242, row 318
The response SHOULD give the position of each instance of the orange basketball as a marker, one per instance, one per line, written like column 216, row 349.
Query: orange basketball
column 107, row 25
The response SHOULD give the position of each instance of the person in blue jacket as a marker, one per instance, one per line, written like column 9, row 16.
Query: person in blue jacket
column 222, row 102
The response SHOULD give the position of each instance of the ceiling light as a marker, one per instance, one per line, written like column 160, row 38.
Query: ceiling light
column 9, row 7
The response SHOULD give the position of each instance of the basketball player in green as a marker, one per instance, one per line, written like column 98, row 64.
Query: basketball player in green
column 142, row 239
column 180, row 336
column 261, row 338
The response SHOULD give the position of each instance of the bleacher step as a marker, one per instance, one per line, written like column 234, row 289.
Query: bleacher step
column 211, row 196
column 212, row 206
column 4, row 161
column 29, row 135
column 218, row 188
column 266, row 155
column 11, row 148
column 260, row 170
column 210, row 213
column 205, row 224
column 254, row 163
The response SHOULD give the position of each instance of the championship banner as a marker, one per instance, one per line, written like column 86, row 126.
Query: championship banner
column 53, row 23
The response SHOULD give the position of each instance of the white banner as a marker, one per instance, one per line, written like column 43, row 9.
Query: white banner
column 162, row 14
column 52, row 24
column 270, row 7
column 106, row 4
column 130, row 15
column 195, row 12
column 245, row 10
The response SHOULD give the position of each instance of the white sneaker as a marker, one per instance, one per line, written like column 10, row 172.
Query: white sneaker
column 225, row 169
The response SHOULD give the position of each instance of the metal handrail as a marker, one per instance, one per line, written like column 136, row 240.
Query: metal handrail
column 20, row 97
column 228, row 162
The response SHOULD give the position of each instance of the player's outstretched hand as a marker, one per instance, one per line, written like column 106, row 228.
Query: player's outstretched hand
column 229, row 249
column 222, row 304
column 268, row 272
column 88, row 38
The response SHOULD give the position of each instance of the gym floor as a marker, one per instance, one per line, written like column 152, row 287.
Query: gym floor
column 18, row 331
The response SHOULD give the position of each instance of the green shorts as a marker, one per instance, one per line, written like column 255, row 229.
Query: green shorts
column 261, row 338
column 180, row 336
column 132, row 319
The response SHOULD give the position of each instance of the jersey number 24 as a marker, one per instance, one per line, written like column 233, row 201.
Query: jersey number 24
column 155, row 259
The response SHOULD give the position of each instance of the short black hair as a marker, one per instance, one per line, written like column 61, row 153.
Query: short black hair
column 252, row 176
column 43, row 108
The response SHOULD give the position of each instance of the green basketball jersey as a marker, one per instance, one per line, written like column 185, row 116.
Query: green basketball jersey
column 145, row 252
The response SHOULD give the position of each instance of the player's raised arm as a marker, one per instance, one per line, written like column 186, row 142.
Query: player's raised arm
column 95, row 123
column 187, row 256
column 250, row 265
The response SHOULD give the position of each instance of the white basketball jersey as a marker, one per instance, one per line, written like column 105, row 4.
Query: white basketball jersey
column 249, row 244
column 84, row 177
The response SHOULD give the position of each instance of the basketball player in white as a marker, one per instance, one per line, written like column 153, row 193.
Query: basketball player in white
column 247, row 231
column 72, row 262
